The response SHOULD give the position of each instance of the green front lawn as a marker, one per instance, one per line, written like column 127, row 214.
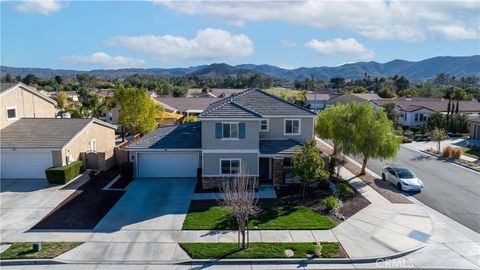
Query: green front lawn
column 275, row 218
column 259, row 250
column 471, row 152
column 23, row 250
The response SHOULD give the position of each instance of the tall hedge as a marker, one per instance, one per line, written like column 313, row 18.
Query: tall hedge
column 65, row 174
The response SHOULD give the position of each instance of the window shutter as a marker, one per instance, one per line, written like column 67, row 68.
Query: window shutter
column 241, row 130
column 218, row 130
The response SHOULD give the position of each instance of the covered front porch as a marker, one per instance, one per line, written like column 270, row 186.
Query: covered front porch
column 275, row 161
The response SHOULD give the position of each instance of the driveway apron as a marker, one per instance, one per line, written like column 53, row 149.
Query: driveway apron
column 144, row 225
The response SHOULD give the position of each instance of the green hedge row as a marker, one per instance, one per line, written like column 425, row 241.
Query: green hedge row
column 63, row 175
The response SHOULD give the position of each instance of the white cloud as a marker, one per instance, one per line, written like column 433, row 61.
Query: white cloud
column 104, row 60
column 455, row 32
column 288, row 43
column 409, row 21
column 208, row 44
column 44, row 7
column 349, row 48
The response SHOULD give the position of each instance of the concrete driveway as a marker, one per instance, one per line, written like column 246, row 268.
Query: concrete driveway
column 151, row 204
column 24, row 203
column 144, row 226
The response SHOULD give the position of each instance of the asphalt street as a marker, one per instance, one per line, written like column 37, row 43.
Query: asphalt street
column 449, row 188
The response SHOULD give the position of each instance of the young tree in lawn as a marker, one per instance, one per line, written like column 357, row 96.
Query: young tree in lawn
column 62, row 100
column 308, row 165
column 238, row 196
column 438, row 135
column 371, row 134
column 137, row 111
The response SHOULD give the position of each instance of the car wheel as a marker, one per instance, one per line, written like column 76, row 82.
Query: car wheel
column 383, row 177
column 399, row 186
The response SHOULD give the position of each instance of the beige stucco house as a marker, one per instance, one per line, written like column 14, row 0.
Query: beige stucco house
column 18, row 100
column 31, row 145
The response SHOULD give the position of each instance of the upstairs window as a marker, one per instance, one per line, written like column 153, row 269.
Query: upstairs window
column 292, row 127
column 264, row 125
column 230, row 166
column 11, row 113
column 230, row 130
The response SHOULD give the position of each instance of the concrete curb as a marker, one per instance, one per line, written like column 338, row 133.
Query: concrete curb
column 447, row 159
column 296, row 261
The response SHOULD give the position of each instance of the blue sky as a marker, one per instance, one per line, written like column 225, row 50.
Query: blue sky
column 90, row 35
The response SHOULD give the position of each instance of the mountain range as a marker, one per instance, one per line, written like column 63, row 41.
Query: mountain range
column 421, row 70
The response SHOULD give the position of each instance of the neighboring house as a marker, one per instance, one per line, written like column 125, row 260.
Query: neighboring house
column 213, row 93
column 252, row 132
column 185, row 106
column 475, row 128
column 18, row 100
column 31, row 145
column 318, row 102
column 352, row 97
column 169, row 119
column 414, row 111
column 72, row 96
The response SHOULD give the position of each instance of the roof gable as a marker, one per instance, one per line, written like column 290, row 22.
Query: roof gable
column 45, row 132
column 7, row 87
column 254, row 103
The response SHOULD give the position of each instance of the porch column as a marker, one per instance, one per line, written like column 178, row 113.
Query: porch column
column 277, row 171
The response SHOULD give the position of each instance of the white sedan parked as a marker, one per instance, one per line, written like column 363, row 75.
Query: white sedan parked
column 403, row 178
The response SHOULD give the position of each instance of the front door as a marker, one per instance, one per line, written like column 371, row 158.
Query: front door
column 264, row 168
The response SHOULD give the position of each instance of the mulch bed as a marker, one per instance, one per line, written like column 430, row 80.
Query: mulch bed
column 86, row 206
column 386, row 189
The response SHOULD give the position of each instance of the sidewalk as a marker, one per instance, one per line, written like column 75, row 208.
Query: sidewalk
column 380, row 230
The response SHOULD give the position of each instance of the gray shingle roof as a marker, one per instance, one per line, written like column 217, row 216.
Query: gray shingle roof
column 185, row 104
column 186, row 136
column 6, row 86
column 257, row 102
column 279, row 146
column 42, row 132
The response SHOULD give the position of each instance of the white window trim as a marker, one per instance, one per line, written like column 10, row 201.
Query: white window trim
column 230, row 159
column 268, row 125
column 285, row 126
column 238, row 132
column 16, row 113
column 93, row 145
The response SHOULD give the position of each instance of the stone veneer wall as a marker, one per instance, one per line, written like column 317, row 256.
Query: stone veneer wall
column 213, row 182
column 277, row 172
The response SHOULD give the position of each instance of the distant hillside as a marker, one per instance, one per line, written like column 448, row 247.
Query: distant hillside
column 421, row 70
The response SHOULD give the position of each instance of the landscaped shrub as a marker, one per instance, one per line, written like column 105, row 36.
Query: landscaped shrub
column 345, row 190
column 447, row 152
column 63, row 175
column 406, row 140
column 456, row 153
column 452, row 152
column 330, row 203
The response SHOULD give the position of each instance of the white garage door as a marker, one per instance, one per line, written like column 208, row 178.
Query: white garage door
column 168, row 164
column 25, row 165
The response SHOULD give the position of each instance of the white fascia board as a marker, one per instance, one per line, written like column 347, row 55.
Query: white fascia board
column 162, row 150
column 289, row 116
column 228, row 151
column 229, row 119
column 31, row 149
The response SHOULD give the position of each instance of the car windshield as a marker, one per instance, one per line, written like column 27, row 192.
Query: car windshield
column 404, row 173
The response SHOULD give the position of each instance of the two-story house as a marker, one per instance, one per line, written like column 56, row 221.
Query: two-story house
column 18, row 100
column 251, row 133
